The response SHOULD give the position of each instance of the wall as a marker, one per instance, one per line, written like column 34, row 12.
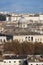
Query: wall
column 1, row 63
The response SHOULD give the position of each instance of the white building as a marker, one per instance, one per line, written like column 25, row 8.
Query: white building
column 35, row 63
column 12, row 17
column 14, row 60
column 15, row 17
column 22, row 23
column 35, row 60
column 29, row 38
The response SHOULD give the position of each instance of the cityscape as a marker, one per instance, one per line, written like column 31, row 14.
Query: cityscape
column 21, row 32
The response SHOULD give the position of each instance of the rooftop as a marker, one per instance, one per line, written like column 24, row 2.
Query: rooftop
column 19, row 31
column 15, row 57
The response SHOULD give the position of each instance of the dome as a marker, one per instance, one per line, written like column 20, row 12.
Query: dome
column 22, row 23
column 22, row 20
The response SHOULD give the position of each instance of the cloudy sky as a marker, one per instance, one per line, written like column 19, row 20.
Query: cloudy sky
column 21, row 6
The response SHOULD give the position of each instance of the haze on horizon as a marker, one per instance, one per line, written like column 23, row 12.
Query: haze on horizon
column 22, row 6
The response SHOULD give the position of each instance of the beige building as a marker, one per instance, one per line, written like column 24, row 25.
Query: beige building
column 29, row 38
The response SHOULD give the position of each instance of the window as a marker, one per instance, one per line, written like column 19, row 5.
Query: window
column 38, row 39
column 26, row 38
column 31, row 64
column 4, row 61
column 9, row 61
column 14, row 61
column 36, row 64
column 19, row 61
column 4, row 40
column 31, row 38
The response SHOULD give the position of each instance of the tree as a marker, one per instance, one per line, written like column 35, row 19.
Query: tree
column 24, row 48
column 38, row 48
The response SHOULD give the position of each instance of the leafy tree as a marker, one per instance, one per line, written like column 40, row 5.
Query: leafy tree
column 24, row 48
column 38, row 48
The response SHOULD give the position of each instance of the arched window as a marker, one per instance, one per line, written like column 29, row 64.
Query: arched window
column 4, row 61
column 31, row 38
column 9, row 61
column 4, row 40
column 28, row 38
column 25, row 38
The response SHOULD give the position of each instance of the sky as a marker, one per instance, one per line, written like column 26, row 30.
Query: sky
column 22, row 6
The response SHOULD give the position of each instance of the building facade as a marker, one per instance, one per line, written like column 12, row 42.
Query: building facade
column 35, row 63
column 29, row 38
column 5, row 38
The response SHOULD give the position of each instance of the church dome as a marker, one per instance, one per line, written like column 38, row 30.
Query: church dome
column 22, row 23
column 22, row 20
